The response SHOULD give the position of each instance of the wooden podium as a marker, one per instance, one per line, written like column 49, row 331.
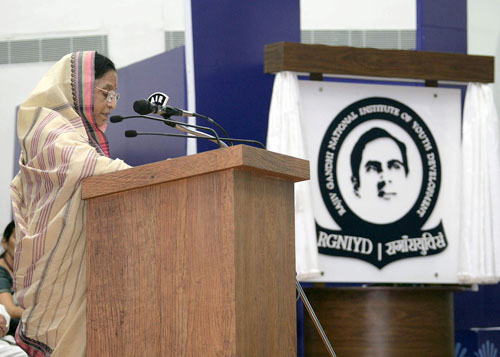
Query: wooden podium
column 194, row 256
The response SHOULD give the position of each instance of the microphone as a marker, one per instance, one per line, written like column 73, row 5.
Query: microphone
column 156, row 104
column 116, row 118
column 177, row 125
column 169, row 122
column 144, row 107
column 133, row 134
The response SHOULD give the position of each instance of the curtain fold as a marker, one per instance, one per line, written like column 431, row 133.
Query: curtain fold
column 479, row 259
column 285, row 136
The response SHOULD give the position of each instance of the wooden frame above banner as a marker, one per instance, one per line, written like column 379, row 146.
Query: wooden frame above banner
column 370, row 62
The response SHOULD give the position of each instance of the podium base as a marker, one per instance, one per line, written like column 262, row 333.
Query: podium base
column 382, row 321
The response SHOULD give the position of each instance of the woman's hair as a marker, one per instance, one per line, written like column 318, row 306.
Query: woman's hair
column 102, row 65
column 7, row 233
column 8, row 230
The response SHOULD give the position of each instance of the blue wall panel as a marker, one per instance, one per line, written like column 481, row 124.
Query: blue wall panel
column 228, row 44
column 163, row 73
column 442, row 25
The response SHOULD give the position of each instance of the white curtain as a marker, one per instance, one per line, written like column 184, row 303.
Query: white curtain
column 480, row 209
column 284, row 136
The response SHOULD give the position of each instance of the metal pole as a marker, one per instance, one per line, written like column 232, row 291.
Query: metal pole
column 316, row 322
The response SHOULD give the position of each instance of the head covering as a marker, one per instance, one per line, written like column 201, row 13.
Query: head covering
column 68, row 88
column 60, row 146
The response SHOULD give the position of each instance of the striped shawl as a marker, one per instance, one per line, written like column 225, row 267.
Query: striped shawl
column 61, row 145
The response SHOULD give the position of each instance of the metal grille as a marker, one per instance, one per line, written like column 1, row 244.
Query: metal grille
column 54, row 48
column 173, row 39
column 91, row 43
column 4, row 53
column 25, row 51
column 49, row 49
column 408, row 39
column 383, row 39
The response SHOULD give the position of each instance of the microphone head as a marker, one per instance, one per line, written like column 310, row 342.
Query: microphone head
column 143, row 107
column 130, row 133
column 116, row 119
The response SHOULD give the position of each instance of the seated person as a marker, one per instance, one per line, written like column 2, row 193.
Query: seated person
column 8, row 347
column 7, row 298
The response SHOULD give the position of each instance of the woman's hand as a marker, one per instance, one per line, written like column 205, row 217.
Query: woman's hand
column 7, row 300
column 3, row 326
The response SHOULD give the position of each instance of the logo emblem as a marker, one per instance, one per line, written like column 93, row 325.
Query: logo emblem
column 158, row 98
column 379, row 174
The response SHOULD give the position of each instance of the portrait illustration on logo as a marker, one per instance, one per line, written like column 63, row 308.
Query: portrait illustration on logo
column 379, row 176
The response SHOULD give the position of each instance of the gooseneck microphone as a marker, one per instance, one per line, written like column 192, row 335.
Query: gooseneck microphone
column 134, row 133
column 116, row 118
column 177, row 125
column 145, row 107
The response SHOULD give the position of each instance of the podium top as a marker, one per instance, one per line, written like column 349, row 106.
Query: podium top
column 235, row 157
column 371, row 62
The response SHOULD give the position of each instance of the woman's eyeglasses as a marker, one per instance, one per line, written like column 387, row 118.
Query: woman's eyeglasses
column 110, row 95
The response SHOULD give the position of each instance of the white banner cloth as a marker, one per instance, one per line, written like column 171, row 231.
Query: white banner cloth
column 480, row 208
column 284, row 136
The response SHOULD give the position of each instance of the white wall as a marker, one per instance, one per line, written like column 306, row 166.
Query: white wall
column 483, row 21
column 483, row 35
column 358, row 14
column 134, row 28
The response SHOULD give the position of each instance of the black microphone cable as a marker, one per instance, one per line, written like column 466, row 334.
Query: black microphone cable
column 134, row 133
column 144, row 107
column 177, row 125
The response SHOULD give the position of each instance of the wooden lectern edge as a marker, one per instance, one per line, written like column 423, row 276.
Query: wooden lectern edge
column 240, row 157
column 381, row 63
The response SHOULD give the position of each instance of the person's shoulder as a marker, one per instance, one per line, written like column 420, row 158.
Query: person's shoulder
column 54, row 124
column 3, row 271
column 61, row 128
column 5, row 279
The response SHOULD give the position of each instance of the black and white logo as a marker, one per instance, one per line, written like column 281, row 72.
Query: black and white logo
column 158, row 98
column 379, row 175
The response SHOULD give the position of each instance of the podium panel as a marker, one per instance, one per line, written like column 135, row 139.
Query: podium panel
column 200, row 264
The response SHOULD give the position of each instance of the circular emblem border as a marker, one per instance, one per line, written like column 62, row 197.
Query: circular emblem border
column 349, row 220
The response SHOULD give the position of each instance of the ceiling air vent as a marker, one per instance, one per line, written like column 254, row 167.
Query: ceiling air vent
column 49, row 49
column 173, row 39
column 382, row 39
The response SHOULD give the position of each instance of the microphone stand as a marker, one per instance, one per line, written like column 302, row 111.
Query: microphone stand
column 133, row 133
column 231, row 140
column 199, row 134
column 211, row 121
column 315, row 320
column 178, row 125
column 181, row 126
column 145, row 107
column 167, row 116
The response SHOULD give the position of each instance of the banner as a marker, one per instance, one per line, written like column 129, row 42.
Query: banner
column 385, row 168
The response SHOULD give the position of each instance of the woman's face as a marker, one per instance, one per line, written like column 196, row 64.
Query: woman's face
column 9, row 246
column 102, row 108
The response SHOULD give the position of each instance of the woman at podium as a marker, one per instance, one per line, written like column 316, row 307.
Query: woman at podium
column 61, row 132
